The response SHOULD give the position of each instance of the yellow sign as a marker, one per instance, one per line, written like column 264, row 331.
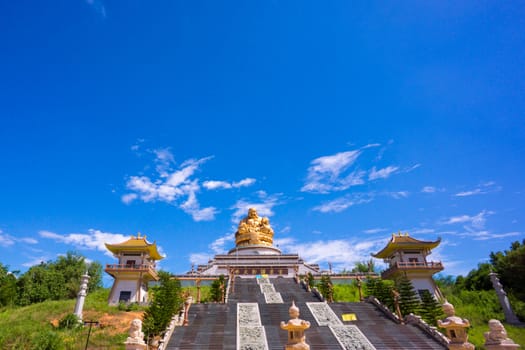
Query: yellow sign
column 349, row 317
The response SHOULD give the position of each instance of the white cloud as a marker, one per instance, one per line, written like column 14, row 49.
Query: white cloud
column 484, row 235
column 191, row 206
column 428, row 189
column 340, row 204
column 93, row 240
column 484, row 188
column 212, row 185
column 340, row 253
column 219, row 246
column 398, row 194
column 173, row 186
column 6, row 240
column 375, row 230
column 129, row 197
column 28, row 240
column 36, row 261
column 422, row 231
column 382, row 173
column 199, row 258
column 371, row 145
column 476, row 221
column 325, row 173
column 264, row 206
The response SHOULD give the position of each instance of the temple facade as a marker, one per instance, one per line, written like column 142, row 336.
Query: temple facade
column 136, row 267
column 254, row 254
column 407, row 256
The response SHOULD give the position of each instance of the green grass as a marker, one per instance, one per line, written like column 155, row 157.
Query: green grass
column 476, row 306
column 346, row 292
column 205, row 293
column 30, row 327
column 479, row 307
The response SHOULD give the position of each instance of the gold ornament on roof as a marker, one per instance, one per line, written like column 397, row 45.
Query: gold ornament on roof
column 254, row 230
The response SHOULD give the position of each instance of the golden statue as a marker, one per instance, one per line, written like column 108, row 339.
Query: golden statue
column 254, row 230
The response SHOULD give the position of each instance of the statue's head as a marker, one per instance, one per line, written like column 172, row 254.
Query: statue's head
column 252, row 213
column 293, row 311
column 448, row 309
column 496, row 325
column 136, row 324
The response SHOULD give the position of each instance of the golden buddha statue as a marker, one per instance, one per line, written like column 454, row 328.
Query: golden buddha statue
column 254, row 230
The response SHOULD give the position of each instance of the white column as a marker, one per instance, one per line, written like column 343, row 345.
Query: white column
column 81, row 296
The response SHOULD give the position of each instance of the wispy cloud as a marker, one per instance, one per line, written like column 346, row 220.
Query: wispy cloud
column 93, row 240
column 220, row 246
column 341, row 204
column 477, row 221
column 382, row 173
column 398, row 194
column 428, row 189
column 484, row 188
column 213, row 185
column 374, row 230
column 175, row 186
column 340, row 253
column 264, row 206
column 7, row 240
column 98, row 7
column 422, row 231
column 328, row 173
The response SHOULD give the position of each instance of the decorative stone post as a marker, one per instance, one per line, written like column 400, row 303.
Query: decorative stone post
column 456, row 329
column 496, row 338
column 510, row 317
column 198, row 284
column 296, row 327
column 396, row 296
column 81, row 296
column 135, row 340
column 360, row 288
column 187, row 304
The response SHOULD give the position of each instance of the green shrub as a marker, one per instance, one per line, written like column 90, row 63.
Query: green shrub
column 70, row 321
column 47, row 340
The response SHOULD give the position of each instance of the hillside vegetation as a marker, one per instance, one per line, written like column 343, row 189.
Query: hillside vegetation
column 36, row 326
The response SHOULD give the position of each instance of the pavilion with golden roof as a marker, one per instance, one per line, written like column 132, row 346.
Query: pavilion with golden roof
column 407, row 256
column 136, row 267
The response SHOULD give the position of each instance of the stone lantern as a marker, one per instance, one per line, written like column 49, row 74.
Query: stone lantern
column 296, row 327
column 456, row 329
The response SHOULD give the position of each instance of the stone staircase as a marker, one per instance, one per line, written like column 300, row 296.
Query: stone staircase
column 214, row 326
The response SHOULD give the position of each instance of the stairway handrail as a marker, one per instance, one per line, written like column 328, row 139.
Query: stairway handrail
column 383, row 308
column 430, row 330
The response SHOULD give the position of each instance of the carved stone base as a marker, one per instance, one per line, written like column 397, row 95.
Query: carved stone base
column 461, row 346
column 135, row 346
column 297, row 346
column 502, row 346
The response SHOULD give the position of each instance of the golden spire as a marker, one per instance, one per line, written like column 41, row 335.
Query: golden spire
column 254, row 230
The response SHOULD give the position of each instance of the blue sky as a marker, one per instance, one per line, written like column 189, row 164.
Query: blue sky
column 342, row 121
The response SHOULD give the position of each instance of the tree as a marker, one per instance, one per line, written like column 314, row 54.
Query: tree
column 60, row 279
column 326, row 288
column 510, row 266
column 8, row 289
column 380, row 289
column 430, row 310
column 408, row 299
column 167, row 301
column 477, row 279
column 217, row 289
column 364, row 266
